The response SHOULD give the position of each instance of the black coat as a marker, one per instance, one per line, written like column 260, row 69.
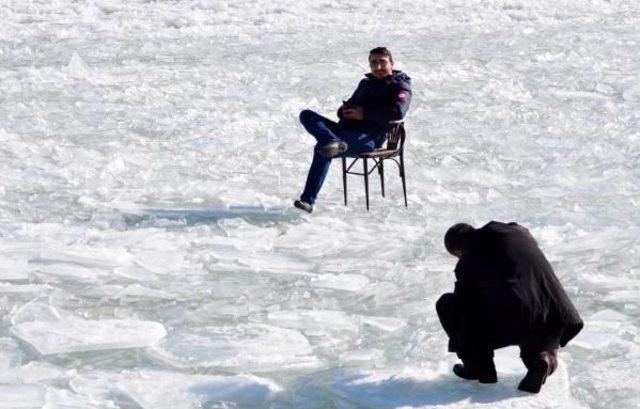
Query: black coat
column 383, row 100
column 507, row 287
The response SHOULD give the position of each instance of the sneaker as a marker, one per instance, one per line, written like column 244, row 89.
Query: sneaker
column 483, row 375
column 302, row 205
column 536, row 376
column 333, row 149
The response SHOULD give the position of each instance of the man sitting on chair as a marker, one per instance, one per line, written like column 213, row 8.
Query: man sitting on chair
column 383, row 96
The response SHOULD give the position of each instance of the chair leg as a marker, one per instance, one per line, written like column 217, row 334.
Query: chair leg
column 366, row 181
column 403, row 176
column 344, row 178
column 381, row 172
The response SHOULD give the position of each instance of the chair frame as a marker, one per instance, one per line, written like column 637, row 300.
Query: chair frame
column 394, row 151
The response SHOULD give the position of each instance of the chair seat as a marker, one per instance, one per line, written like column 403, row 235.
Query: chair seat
column 378, row 153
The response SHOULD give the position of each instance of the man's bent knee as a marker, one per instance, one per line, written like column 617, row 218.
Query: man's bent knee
column 445, row 303
column 306, row 115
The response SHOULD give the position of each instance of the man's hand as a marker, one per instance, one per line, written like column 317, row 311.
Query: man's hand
column 353, row 112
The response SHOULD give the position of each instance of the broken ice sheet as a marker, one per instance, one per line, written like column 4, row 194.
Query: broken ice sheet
column 244, row 347
column 330, row 321
column 317, row 320
column 104, row 258
column 22, row 396
column 12, row 269
column 10, row 354
column 388, row 324
column 420, row 387
column 76, row 335
column 33, row 310
column 601, row 329
column 363, row 356
column 66, row 399
column 70, row 272
column 347, row 282
column 35, row 372
column 24, row 289
column 171, row 390
column 131, row 292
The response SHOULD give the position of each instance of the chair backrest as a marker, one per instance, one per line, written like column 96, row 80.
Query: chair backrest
column 396, row 137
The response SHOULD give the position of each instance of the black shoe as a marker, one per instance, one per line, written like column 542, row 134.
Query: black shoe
column 486, row 374
column 302, row 205
column 536, row 376
column 333, row 149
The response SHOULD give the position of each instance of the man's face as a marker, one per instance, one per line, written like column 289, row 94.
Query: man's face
column 381, row 65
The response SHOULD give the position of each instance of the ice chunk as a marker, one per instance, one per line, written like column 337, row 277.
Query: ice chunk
column 65, row 399
column 159, row 389
column 107, row 7
column 12, row 269
column 631, row 297
column 600, row 282
column 77, row 67
column 417, row 387
column 10, row 354
column 600, row 330
column 348, row 282
column 131, row 292
column 106, row 258
column 160, row 262
column 241, row 390
column 7, row 288
column 331, row 321
column 22, row 396
column 608, row 316
column 75, row 335
column 363, row 356
column 323, row 320
column 386, row 323
column 71, row 272
column 593, row 339
column 254, row 347
column 33, row 372
column 33, row 311
column 179, row 21
column 632, row 94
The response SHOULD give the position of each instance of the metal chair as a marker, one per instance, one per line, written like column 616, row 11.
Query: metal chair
column 394, row 150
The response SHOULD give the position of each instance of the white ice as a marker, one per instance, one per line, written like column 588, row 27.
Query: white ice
column 12, row 269
column 22, row 396
column 150, row 153
column 77, row 335
column 414, row 387
column 249, row 347
column 153, row 389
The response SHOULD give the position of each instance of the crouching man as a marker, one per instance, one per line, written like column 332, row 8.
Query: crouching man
column 506, row 293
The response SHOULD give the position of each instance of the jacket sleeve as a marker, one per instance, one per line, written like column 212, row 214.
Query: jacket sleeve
column 394, row 110
column 353, row 99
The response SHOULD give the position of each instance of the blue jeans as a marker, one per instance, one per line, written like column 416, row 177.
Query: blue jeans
column 325, row 131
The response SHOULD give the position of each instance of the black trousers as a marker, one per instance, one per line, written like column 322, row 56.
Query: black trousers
column 472, row 341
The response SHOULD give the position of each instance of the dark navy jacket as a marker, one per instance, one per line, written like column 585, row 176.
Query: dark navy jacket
column 383, row 100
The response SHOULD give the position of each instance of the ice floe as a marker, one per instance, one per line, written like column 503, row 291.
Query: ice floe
column 76, row 335
column 243, row 347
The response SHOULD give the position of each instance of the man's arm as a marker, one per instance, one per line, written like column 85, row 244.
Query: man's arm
column 349, row 103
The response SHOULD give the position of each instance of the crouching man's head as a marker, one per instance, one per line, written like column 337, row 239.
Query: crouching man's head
column 457, row 239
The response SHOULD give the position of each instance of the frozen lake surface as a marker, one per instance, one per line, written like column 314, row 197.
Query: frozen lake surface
column 150, row 153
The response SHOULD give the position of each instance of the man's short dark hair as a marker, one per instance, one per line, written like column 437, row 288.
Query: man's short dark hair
column 383, row 51
column 457, row 236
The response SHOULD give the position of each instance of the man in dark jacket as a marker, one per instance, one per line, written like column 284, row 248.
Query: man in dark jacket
column 383, row 96
column 506, row 293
